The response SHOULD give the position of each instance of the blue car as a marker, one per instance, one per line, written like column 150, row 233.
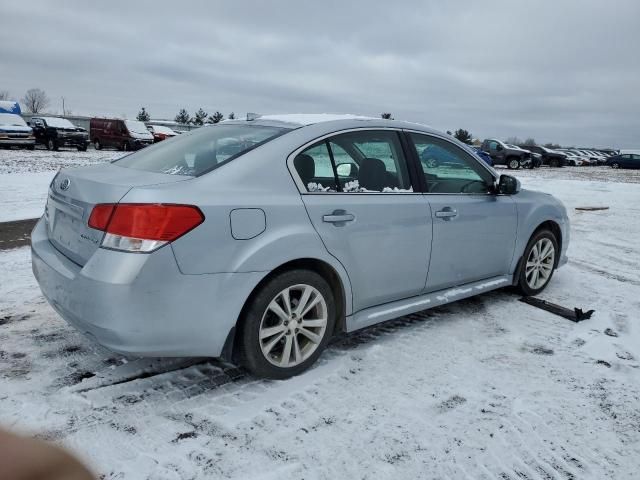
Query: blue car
column 625, row 160
column 484, row 156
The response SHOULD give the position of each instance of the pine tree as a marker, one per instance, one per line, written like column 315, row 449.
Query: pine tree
column 143, row 115
column 183, row 117
column 216, row 117
column 199, row 117
column 232, row 116
column 386, row 116
column 464, row 136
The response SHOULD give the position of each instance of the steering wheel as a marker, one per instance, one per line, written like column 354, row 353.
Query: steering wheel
column 469, row 183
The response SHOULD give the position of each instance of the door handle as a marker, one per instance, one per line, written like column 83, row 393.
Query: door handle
column 338, row 216
column 447, row 213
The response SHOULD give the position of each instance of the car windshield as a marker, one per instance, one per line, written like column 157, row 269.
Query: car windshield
column 11, row 119
column 135, row 126
column 201, row 150
column 58, row 122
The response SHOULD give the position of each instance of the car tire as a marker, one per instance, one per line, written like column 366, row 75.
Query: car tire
column 52, row 144
column 615, row 165
column 273, row 340
column 82, row 148
column 513, row 164
column 97, row 145
column 538, row 263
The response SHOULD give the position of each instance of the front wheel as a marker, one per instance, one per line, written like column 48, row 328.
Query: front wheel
column 538, row 263
column 513, row 164
column 96, row 144
column 52, row 144
column 615, row 165
column 287, row 324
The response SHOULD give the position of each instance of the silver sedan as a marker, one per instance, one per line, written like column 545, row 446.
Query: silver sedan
column 257, row 240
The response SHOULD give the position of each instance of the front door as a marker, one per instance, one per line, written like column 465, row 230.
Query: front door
column 474, row 231
column 361, row 202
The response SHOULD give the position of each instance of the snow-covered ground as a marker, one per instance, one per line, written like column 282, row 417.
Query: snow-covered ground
column 25, row 177
column 484, row 388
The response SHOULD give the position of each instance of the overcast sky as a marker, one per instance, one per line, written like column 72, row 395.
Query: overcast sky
column 560, row 71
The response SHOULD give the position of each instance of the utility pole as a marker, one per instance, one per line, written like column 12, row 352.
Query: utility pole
column 63, row 110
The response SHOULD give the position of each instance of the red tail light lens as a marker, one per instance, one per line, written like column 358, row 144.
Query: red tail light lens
column 161, row 222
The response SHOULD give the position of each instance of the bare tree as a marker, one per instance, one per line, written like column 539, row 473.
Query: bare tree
column 513, row 141
column 530, row 141
column 5, row 95
column 35, row 100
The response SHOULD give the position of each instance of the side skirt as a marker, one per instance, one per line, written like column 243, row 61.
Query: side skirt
column 370, row 316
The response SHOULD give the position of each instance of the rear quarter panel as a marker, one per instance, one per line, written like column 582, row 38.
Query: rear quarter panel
column 259, row 180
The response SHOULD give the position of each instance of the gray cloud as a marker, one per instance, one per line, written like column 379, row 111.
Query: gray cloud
column 565, row 71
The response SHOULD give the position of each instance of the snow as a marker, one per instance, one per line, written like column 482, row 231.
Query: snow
column 58, row 122
column 162, row 129
column 310, row 118
column 487, row 387
column 25, row 177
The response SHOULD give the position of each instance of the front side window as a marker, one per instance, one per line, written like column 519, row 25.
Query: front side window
column 449, row 169
column 201, row 150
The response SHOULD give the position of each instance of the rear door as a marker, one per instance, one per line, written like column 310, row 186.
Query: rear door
column 358, row 193
column 474, row 231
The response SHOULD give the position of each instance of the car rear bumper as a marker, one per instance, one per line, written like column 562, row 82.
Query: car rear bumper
column 141, row 304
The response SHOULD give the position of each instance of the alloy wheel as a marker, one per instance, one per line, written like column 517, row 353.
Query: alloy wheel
column 514, row 164
column 540, row 263
column 615, row 165
column 293, row 325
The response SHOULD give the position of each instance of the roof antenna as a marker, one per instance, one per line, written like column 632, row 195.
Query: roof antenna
column 253, row 116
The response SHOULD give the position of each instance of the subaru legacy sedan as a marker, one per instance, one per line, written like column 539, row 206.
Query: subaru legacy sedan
column 258, row 240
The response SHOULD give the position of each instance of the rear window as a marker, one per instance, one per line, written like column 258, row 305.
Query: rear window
column 201, row 150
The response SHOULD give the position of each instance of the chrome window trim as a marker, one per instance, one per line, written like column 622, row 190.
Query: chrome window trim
column 303, row 189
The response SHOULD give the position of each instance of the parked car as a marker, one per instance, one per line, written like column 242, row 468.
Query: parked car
column 551, row 158
column 624, row 160
column 503, row 155
column 14, row 132
column 118, row 133
column 54, row 132
column 484, row 156
column 317, row 224
column 160, row 132
column 572, row 158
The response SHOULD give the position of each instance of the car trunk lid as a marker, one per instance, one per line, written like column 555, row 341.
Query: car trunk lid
column 74, row 193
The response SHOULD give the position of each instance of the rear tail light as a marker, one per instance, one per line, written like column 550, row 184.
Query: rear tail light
column 134, row 227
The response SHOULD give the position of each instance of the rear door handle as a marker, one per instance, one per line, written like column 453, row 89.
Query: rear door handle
column 338, row 216
column 447, row 213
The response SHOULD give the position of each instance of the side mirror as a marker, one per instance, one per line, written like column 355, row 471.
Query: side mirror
column 508, row 185
column 347, row 169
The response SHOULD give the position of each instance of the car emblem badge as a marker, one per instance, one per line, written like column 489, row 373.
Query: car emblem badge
column 64, row 185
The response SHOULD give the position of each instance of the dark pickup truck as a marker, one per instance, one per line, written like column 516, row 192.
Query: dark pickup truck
column 501, row 154
column 54, row 132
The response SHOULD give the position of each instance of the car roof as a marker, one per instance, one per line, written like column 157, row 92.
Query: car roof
column 332, row 121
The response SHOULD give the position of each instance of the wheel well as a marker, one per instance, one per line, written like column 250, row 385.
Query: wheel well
column 323, row 269
column 555, row 229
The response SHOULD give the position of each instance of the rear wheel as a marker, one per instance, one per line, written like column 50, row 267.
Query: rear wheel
column 287, row 324
column 52, row 144
column 538, row 263
column 615, row 165
column 82, row 148
column 96, row 144
column 513, row 163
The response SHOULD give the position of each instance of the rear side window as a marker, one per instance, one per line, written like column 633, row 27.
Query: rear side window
column 202, row 150
column 367, row 161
